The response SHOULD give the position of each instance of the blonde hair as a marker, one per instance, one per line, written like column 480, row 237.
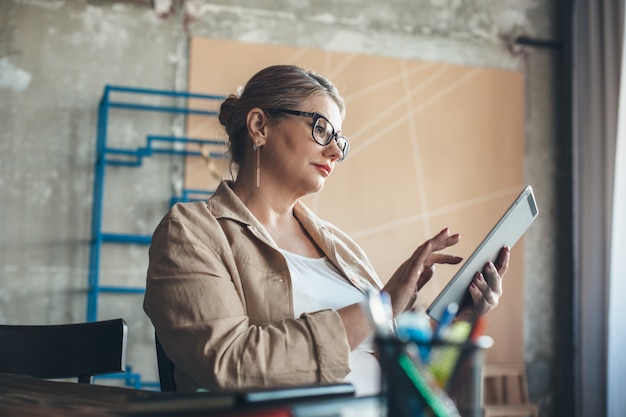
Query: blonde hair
column 277, row 87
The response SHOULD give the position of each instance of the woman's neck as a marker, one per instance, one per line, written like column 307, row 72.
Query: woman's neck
column 269, row 203
column 275, row 211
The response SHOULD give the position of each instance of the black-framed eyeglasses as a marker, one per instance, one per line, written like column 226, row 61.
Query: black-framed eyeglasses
column 323, row 131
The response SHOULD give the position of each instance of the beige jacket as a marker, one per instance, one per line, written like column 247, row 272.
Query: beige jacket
column 219, row 295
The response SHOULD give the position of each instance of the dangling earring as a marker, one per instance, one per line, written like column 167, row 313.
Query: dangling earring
column 258, row 164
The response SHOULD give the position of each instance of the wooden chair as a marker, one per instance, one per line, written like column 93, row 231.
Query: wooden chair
column 79, row 350
column 506, row 391
column 166, row 368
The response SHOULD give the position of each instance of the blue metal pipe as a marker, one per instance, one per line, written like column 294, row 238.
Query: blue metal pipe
column 167, row 109
column 96, row 212
column 149, row 150
column 169, row 93
column 98, row 238
column 124, row 290
column 161, row 138
column 126, row 238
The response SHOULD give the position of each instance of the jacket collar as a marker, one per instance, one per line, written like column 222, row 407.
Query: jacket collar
column 225, row 204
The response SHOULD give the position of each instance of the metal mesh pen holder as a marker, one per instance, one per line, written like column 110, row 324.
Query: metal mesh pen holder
column 432, row 379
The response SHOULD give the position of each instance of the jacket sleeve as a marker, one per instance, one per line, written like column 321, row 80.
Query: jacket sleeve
column 196, row 304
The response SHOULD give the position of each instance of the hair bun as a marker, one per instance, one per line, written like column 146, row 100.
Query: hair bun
column 227, row 110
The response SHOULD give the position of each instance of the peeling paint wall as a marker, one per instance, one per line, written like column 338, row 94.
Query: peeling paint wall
column 56, row 57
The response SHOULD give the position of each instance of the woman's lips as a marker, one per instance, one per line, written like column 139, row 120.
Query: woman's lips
column 326, row 169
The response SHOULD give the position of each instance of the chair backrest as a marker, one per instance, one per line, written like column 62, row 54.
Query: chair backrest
column 166, row 368
column 64, row 350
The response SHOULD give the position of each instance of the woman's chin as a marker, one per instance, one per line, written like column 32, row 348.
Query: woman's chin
column 320, row 186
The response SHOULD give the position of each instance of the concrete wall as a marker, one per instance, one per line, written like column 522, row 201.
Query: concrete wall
column 56, row 56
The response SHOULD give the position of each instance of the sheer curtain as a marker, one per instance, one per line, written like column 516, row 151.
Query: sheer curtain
column 599, row 208
column 616, row 363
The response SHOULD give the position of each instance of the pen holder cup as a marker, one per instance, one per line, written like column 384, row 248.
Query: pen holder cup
column 432, row 379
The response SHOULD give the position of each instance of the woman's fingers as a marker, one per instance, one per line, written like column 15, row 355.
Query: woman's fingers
column 442, row 258
column 443, row 240
column 486, row 289
column 481, row 298
column 419, row 270
column 416, row 271
column 440, row 241
column 502, row 262
column 402, row 286
column 426, row 275
column 493, row 279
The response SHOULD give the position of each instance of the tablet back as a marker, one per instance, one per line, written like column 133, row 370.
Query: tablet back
column 507, row 231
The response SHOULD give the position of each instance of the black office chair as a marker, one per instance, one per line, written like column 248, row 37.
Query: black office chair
column 79, row 350
column 166, row 368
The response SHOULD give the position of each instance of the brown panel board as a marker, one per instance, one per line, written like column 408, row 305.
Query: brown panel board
column 432, row 146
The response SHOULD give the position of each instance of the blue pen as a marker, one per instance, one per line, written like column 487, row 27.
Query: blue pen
column 446, row 320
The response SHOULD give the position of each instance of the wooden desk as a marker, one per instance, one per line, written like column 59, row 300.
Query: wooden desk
column 27, row 396
column 32, row 397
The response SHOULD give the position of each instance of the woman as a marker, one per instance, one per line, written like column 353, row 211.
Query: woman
column 252, row 289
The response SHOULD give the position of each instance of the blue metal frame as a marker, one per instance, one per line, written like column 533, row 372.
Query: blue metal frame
column 136, row 156
column 155, row 144
column 131, row 379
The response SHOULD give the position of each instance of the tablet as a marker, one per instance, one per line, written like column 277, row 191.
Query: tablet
column 511, row 226
column 225, row 400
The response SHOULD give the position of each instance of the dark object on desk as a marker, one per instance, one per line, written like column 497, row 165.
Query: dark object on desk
column 299, row 393
column 166, row 368
column 65, row 350
column 239, row 399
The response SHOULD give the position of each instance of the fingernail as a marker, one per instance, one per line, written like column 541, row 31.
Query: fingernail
column 443, row 230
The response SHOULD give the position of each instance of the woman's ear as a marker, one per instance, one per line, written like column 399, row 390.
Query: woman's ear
column 257, row 123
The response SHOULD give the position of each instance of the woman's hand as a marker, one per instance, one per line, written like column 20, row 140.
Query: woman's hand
column 416, row 271
column 486, row 287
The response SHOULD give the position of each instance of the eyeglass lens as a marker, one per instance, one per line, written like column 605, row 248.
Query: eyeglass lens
column 324, row 132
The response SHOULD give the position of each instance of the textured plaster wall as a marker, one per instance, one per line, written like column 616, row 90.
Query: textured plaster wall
column 57, row 55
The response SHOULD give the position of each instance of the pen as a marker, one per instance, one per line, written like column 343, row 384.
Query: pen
column 478, row 329
column 446, row 320
column 434, row 397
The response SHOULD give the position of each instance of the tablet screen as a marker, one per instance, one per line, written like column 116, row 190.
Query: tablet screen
column 507, row 231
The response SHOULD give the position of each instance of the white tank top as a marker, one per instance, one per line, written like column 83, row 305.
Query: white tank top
column 317, row 285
